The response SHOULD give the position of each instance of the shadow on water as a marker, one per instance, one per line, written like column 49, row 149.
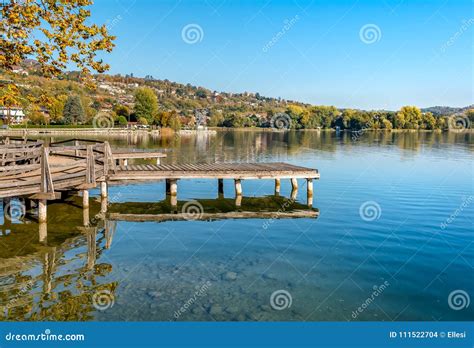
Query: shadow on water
column 56, row 270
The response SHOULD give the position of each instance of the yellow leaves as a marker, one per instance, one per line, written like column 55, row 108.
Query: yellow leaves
column 67, row 37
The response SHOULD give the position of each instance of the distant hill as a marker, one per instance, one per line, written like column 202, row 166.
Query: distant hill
column 446, row 110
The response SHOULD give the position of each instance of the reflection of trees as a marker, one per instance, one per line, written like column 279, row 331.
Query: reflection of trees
column 57, row 279
column 260, row 145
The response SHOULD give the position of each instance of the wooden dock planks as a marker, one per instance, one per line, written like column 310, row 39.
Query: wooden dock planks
column 213, row 171
column 71, row 171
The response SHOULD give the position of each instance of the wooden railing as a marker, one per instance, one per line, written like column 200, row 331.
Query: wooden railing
column 24, row 159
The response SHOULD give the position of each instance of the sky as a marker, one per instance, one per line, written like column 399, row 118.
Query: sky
column 351, row 54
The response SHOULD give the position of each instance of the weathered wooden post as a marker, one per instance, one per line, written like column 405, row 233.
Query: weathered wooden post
column 158, row 161
column 103, row 189
column 294, row 183
column 174, row 202
column 277, row 187
column 173, row 187
column 42, row 211
column 46, row 186
column 43, row 232
column 238, row 187
column 76, row 150
column 309, row 185
column 103, row 197
column 85, row 199
column 238, row 200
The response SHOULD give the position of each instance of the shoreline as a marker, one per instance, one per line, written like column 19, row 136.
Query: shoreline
column 210, row 130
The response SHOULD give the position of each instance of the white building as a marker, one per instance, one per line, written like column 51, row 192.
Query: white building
column 15, row 114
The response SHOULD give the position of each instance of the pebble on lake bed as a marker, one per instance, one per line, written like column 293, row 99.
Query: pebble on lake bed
column 229, row 276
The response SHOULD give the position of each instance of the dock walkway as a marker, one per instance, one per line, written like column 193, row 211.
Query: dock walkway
column 36, row 171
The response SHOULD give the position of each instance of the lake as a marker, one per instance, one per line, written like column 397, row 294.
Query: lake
column 391, row 237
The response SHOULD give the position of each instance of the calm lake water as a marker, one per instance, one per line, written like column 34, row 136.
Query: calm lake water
column 393, row 239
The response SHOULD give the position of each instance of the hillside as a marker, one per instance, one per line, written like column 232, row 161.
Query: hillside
column 43, row 101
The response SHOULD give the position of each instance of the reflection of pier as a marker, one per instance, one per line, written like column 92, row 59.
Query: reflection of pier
column 55, row 276
column 34, row 273
column 270, row 207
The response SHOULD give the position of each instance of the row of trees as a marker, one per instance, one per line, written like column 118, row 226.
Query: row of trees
column 329, row 117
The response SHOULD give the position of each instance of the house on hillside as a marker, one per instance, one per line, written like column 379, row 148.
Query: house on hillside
column 12, row 115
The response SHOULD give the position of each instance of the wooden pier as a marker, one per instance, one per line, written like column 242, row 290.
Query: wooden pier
column 37, row 171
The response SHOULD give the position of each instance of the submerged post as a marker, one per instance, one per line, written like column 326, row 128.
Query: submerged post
column 42, row 211
column 294, row 183
column 173, row 187
column 238, row 200
column 238, row 187
column 277, row 186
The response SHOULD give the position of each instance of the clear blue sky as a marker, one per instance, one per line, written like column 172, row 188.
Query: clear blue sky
column 421, row 53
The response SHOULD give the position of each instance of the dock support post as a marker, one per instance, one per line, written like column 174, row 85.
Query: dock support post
column 238, row 187
column 173, row 187
column 174, row 203
column 43, row 232
column 294, row 184
column 309, row 184
column 85, row 199
column 103, row 189
column 167, row 186
column 158, row 161
column 42, row 211
column 220, row 187
column 238, row 200
column 277, row 187
column 125, row 162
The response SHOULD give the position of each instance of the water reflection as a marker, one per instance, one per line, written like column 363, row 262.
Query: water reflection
column 257, row 145
column 53, row 271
